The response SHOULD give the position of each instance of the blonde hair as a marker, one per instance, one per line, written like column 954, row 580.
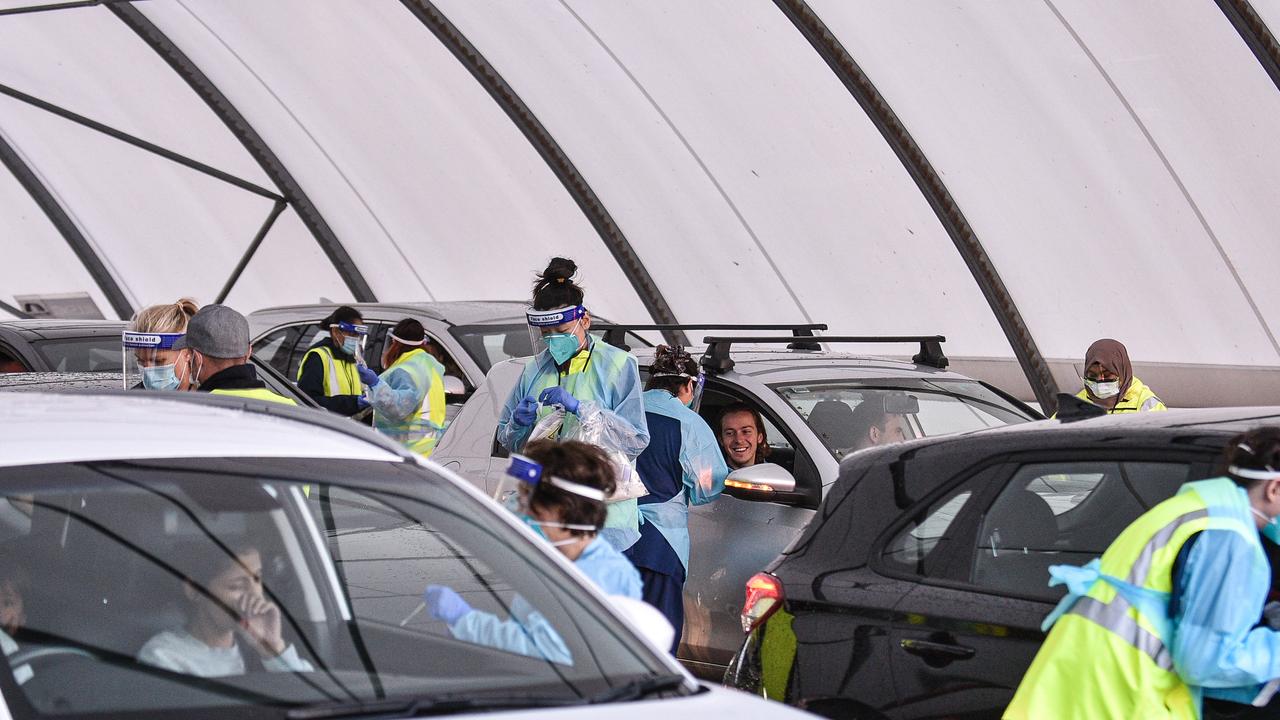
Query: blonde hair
column 170, row 318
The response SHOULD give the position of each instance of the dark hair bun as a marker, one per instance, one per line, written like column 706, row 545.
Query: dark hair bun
column 555, row 287
column 559, row 270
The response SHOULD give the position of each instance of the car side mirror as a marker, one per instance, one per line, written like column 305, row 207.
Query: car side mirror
column 764, row 481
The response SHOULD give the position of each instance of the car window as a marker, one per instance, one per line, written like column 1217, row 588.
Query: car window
column 1063, row 513
column 221, row 585
column 916, row 546
column 848, row 416
column 276, row 347
column 83, row 354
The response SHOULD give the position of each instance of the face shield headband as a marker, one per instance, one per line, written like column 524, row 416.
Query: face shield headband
column 701, row 378
column 351, row 328
column 551, row 318
column 149, row 341
column 1251, row 474
column 530, row 472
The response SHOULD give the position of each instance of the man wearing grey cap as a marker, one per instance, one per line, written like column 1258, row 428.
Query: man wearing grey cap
column 217, row 348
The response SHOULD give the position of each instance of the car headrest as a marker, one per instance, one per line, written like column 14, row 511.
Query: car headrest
column 832, row 421
column 515, row 343
column 1024, row 520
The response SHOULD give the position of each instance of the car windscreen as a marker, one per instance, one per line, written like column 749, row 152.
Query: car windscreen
column 852, row 415
column 291, row 588
column 81, row 354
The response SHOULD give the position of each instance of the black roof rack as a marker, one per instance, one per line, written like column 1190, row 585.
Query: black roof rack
column 615, row 333
column 716, row 359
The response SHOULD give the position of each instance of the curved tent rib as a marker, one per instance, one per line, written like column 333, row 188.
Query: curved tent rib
column 577, row 187
column 254, row 144
column 67, row 228
column 1255, row 33
column 932, row 187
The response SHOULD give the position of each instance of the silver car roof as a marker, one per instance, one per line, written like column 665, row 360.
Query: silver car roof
column 479, row 312
column 787, row 366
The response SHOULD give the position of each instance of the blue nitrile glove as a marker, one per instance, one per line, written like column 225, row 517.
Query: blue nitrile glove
column 559, row 396
column 445, row 604
column 526, row 412
column 362, row 402
column 367, row 376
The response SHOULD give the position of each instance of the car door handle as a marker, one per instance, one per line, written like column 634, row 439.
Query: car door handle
column 929, row 648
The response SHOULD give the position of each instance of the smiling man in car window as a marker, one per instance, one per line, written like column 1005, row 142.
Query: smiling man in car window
column 743, row 437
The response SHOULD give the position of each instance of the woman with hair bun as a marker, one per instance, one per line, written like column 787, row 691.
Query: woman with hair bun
column 595, row 383
column 150, row 337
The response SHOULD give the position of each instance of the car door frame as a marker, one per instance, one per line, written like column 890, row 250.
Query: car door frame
column 1019, row 613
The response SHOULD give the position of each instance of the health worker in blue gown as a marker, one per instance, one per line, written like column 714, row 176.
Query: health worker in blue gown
column 597, row 385
column 682, row 466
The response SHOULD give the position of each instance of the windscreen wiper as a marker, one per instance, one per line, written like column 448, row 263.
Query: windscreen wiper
column 637, row 689
column 425, row 707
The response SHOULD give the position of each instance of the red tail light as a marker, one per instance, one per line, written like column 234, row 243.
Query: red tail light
column 764, row 596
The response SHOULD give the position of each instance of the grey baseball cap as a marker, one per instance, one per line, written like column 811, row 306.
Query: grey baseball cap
column 216, row 331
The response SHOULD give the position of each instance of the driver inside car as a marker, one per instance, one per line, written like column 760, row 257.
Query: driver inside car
column 14, row 586
column 228, row 619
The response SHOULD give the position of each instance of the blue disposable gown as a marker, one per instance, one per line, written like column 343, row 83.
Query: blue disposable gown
column 606, row 382
column 527, row 631
column 1221, row 591
column 685, row 469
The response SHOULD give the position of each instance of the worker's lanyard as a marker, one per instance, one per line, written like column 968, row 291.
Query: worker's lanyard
column 562, row 374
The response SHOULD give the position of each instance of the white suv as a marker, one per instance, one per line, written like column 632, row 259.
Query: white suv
column 116, row 507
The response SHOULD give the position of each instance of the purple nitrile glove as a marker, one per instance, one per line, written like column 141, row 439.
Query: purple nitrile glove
column 526, row 412
column 445, row 604
column 559, row 396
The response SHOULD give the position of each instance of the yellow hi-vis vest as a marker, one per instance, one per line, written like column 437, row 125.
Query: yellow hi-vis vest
column 421, row 430
column 1108, row 658
column 1137, row 398
column 257, row 394
column 340, row 376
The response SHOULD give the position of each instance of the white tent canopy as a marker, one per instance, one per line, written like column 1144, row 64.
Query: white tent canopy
column 1027, row 176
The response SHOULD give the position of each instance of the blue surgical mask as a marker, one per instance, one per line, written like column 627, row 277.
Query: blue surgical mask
column 562, row 346
column 1271, row 530
column 160, row 377
column 351, row 345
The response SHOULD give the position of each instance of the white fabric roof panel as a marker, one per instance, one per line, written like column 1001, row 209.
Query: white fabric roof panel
column 739, row 167
column 288, row 268
column 45, row 264
column 1086, row 225
column 163, row 230
column 436, row 195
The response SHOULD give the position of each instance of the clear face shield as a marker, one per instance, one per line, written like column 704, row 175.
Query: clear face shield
column 149, row 359
column 557, row 331
column 353, row 338
column 523, row 477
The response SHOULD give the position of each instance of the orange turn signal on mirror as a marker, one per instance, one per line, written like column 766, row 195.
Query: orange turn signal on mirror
column 747, row 486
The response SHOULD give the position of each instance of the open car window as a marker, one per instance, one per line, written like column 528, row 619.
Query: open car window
column 154, row 586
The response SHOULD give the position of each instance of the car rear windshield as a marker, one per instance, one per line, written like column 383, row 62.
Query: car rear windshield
column 82, row 354
column 216, row 588
column 848, row 416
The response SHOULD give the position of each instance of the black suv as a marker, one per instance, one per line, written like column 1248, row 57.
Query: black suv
column 918, row 589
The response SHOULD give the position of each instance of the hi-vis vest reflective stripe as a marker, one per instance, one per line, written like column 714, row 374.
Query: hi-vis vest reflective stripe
column 1109, row 658
column 256, row 394
column 340, row 376
column 420, row 431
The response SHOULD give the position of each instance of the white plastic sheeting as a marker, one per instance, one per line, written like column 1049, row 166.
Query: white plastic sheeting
column 751, row 183
column 1117, row 161
column 435, row 193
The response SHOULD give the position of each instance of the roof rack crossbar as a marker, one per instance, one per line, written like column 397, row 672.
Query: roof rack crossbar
column 615, row 333
column 716, row 358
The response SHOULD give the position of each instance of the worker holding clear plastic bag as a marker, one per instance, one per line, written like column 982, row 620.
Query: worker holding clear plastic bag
column 577, row 387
